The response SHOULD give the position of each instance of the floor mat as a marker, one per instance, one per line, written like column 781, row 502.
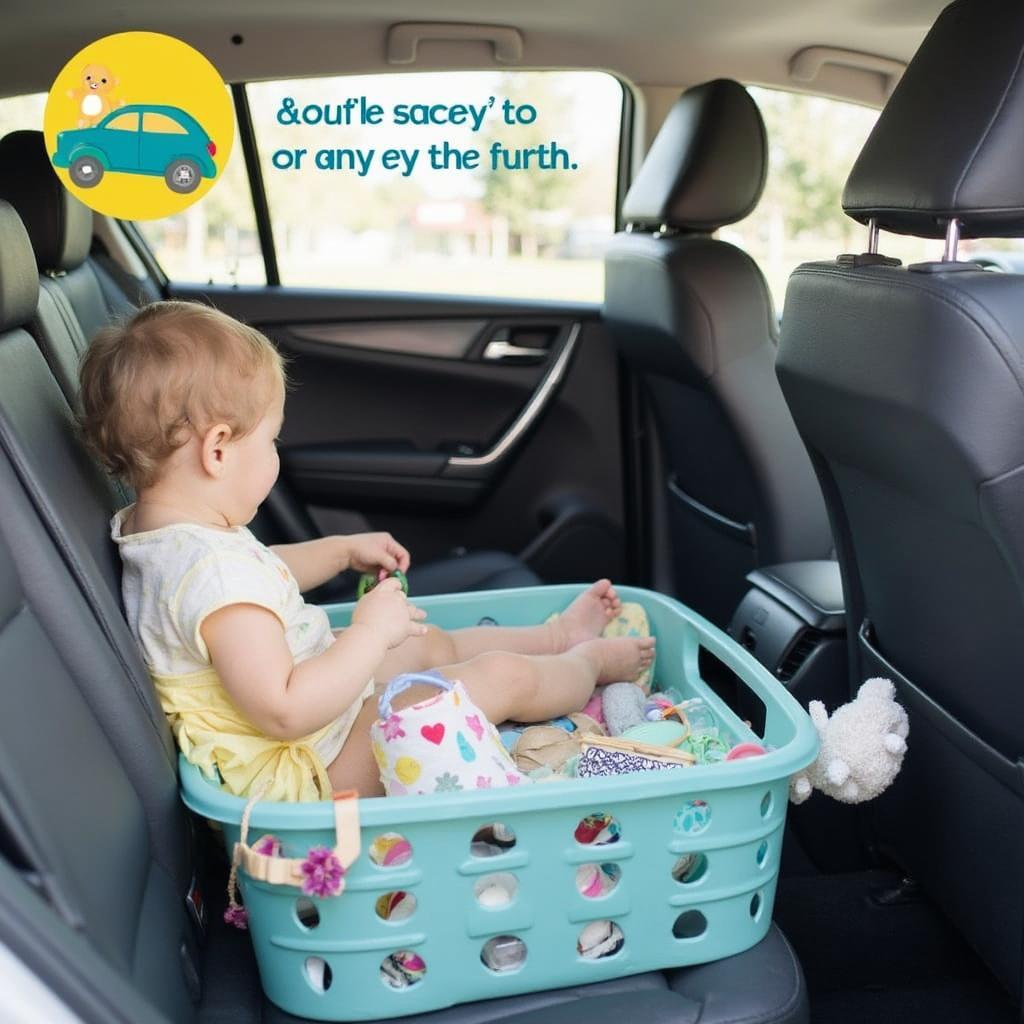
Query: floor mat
column 865, row 960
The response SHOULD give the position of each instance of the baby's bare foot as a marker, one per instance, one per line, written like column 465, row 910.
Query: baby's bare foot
column 587, row 616
column 618, row 659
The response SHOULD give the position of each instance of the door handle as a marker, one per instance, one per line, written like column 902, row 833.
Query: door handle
column 480, row 467
column 500, row 351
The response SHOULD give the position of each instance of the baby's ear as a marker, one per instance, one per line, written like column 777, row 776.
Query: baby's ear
column 212, row 448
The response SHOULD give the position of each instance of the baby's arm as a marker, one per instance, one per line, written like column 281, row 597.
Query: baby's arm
column 313, row 562
column 287, row 701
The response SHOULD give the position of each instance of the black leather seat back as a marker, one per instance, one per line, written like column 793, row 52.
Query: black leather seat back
column 60, row 229
column 88, row 788
column 908, row 386
column 693, row 316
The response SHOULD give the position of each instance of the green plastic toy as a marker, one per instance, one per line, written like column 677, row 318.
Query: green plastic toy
column 368, row 581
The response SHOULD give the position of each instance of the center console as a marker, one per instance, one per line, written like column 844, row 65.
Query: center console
column 793, row 620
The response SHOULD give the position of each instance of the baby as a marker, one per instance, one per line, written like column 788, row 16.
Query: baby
column 186, row 405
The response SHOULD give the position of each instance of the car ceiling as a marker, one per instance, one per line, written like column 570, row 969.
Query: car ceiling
column 651, row 43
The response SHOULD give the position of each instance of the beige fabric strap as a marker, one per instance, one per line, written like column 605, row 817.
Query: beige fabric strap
column 288, row 870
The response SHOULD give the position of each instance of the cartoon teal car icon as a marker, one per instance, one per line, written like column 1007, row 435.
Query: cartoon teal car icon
column 140, row 139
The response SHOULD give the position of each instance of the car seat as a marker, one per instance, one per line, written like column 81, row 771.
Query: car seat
column 907, row 384
column 692, row 315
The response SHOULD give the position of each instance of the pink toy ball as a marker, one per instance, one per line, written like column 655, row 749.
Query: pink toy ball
column 743, row 750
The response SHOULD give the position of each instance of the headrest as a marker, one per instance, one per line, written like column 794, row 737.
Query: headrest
column 950, row 141
column 707, row 164
column 59, row 225
column 19, row 280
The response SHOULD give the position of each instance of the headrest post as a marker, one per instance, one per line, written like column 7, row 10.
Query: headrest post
column 952, row 241
column 872, row 235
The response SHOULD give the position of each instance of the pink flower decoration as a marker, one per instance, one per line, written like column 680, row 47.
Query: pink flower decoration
column 393, row 728
column 269, row 846
column 237, row 916
column 323, row 873
column 513, row 780
column 482, row 782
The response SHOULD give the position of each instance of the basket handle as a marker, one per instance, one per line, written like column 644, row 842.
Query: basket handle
column 403, row 682
column 288, row 870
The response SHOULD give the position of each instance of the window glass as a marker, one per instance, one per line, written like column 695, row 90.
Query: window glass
column 215, row 240
column 152, row 122
column 20, row 112
column 124, row 123
column 812, row 143
column 536, row 232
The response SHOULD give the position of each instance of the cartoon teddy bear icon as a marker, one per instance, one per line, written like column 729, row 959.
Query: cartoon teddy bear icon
column 95, row 95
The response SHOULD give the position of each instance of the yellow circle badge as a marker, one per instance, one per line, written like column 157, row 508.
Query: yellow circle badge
column 139, row 125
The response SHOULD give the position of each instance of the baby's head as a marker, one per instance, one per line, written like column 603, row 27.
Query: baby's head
column 179, row 375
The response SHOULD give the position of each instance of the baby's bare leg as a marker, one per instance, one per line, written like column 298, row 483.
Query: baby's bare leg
column 504, row 686
column 355, row 767
column 583, row 620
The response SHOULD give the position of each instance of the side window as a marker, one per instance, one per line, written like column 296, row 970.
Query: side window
column 812, row 145
column 124, row 123
column 344, row 220
column 162, row 124
column 214, row 241
column 20, row 112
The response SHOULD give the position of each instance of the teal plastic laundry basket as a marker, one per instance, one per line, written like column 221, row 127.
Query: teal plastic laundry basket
column 695, row 864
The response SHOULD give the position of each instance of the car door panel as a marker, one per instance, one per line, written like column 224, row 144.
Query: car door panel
column 455, row 423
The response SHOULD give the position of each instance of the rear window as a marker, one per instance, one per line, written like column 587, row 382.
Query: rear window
column 812, row 145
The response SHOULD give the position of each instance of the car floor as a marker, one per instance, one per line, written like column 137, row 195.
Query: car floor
column 866, row 959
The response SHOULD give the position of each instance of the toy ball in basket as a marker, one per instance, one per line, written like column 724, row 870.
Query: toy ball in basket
column 411, row 903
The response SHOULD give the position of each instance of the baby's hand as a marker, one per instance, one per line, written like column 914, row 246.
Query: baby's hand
column 387, row 610
column 368, row 552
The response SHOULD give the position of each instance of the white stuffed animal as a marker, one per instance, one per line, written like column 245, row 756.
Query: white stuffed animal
column 862, row 746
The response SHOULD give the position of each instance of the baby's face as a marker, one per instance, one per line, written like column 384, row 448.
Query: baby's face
column 254, row 463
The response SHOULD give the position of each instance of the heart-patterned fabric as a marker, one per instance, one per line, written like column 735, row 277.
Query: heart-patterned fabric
column 440, row 745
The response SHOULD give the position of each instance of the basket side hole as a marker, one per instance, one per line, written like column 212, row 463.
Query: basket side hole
column 318, row 974
column 693, row 817
column 306, row 913
column 600, row 939
column 390, row 850
column 755, row 906
column 395, row 906
column 597, row 829
column 767, row 803
column 691, row 924
column 495, row 892
column 503, row 953
column 492, row 840
column 762, row 853
column 733, row 691
column 690, row 868
column 402, row 969
column 596, row 880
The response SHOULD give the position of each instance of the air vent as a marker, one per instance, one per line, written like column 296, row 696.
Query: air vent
column 798, row 653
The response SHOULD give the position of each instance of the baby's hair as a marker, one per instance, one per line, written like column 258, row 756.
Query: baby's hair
column 173, row 367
